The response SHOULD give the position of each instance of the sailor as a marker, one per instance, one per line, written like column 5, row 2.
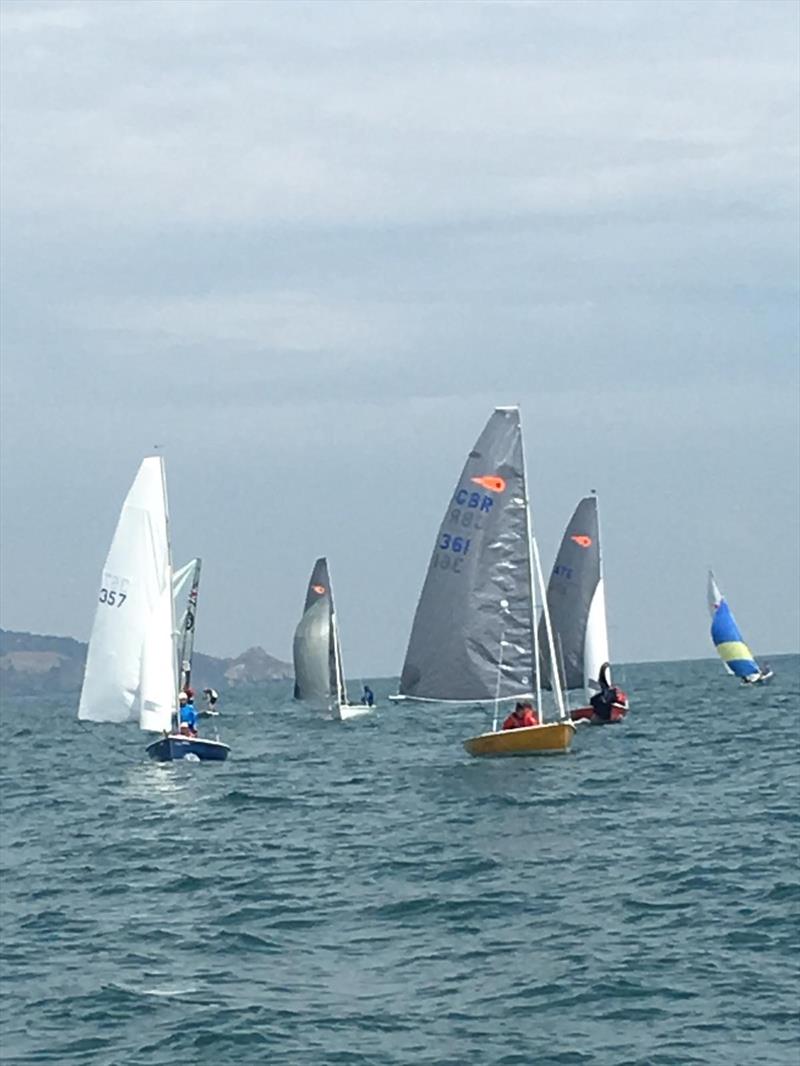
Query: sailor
column 603, row 702
column 368, row 696
column 211, row 696
column 522, row 715
column 187, row 713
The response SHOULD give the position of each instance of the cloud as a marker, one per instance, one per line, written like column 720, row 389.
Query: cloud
column 189, row 112
column 307, row 247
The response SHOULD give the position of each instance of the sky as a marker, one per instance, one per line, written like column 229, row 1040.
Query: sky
column 306, row 248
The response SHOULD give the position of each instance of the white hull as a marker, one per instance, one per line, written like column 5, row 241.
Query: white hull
column 345, row 711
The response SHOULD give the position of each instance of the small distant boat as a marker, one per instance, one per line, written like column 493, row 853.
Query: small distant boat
column 474, row 639
column 577, row 606
column 319, row 675
column 131, row 665
column 731, row 648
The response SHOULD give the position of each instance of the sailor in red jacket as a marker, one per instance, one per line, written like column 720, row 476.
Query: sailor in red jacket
column 522, row 715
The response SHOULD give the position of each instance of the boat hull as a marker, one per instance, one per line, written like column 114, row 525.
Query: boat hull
column 174, row 747
column 762, row 679
column 553, row 738
column 588, row 714
column 346, row 711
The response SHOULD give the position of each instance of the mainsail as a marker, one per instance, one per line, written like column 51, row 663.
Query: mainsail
column 477, row 592
column 318, row 676
column 185, row 584
column 130, row 664
column 576, row 599
column 733, row 651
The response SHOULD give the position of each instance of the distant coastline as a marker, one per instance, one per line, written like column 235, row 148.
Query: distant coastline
column 34, row 664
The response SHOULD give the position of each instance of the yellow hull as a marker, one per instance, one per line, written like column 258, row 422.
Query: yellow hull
column 553, row 738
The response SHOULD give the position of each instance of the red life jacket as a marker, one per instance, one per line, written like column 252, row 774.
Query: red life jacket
column 520, row 719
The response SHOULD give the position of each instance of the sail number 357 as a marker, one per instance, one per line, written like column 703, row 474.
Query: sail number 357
column 112, row 598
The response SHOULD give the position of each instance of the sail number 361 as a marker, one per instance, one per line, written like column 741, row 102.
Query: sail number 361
column 112, row 598
column 454, row 544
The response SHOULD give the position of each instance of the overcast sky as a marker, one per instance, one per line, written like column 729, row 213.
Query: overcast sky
column 307, row 248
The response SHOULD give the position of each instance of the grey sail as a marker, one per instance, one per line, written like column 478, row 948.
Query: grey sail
column 185, row 586
column 314, row 644
column 575, row 602
column 481, row 557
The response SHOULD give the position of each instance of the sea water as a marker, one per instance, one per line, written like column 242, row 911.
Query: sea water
column 366, row 893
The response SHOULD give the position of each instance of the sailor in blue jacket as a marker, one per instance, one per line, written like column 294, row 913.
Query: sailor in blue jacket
column 188, row 714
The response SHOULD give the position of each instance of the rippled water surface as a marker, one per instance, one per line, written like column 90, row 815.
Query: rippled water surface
column 365, row 893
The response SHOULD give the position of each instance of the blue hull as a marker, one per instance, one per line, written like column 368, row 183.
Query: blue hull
column 170, row 748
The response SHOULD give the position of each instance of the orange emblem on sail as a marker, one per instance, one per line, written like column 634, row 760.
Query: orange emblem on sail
column 582, row 541
column 490, row 482
column 319, row 589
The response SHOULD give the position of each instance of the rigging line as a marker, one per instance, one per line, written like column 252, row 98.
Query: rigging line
column 120, row 751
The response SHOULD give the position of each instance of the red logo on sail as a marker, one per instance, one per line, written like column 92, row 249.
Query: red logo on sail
column 490, row 482
column 582, row 541
column 319, row 589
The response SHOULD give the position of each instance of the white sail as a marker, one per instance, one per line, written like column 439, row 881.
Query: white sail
column 714, row 594
column 158, row 682
column 134, row 607
column 341, row 684
column 595, row 647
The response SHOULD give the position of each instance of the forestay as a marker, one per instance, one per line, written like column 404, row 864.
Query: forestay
column 481, row 558
column 576, row 601
column 315, row 667
column 130, row 665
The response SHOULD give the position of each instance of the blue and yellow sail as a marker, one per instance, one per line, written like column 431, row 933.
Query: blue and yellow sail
column 728, row 641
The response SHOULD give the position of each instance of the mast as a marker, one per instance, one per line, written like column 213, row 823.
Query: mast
column 600, row 585
column 173, row 657
column 340, row 694
column 535, row 570
column 529, row 534
column 549, row 629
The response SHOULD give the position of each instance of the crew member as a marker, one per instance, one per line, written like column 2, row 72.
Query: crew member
column 522, row 715
column 187, row 713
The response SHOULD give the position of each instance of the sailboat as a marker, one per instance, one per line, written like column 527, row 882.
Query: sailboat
column 474, row 638
column 725, row 634
column 318, row 672
column 131, row 663
column 577, row 606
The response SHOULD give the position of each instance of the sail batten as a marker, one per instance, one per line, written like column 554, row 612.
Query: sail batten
column 480, row 560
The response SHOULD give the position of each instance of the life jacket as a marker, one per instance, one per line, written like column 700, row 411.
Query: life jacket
column 520, row 721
